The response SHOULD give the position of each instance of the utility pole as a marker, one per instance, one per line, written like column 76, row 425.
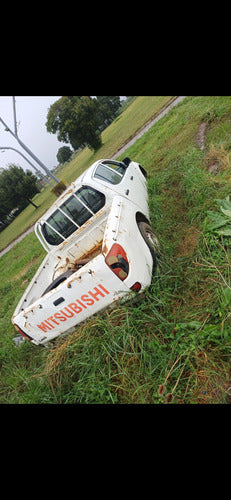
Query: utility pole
column 15, row 134
column 14, row 111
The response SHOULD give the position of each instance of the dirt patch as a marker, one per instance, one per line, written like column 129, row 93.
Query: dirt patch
column 200, row 140
column 217, row 159
column 211, row 386
column 214, row 167
column 189, row 242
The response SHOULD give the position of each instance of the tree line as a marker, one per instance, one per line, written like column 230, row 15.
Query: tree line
column 17, row 187
column 80, row 120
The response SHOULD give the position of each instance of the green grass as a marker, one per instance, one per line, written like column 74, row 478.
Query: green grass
column 141, row 109
column 172, row 345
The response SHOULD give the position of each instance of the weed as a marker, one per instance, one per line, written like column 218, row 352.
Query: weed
column 218, row 155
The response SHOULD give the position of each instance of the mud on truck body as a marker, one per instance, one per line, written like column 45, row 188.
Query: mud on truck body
column 99, row 245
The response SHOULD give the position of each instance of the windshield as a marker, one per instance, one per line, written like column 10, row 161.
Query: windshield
column 72, row 214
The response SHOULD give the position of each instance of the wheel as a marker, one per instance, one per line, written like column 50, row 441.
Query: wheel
column 151, row 239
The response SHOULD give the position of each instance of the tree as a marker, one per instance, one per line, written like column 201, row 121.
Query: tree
column 5, row 207
column 109, row 105
column 27, row 188
column 108, row 109
column 17, row 187
column 64, row 154
column 76, row 120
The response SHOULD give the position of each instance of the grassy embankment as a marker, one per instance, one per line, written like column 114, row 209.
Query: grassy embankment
column 174, row 344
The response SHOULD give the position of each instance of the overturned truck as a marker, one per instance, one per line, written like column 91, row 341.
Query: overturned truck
column 100, row 246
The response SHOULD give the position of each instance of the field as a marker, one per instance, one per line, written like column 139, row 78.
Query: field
column 172, row 345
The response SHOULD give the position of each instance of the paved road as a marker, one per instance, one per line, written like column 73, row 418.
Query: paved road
column 139, row 134
column 16, row 241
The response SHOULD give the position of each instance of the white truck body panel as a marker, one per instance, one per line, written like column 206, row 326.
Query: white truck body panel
column 94, row 286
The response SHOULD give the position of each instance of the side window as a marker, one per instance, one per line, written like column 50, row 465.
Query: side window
column 72, row 214
column 93, row 199
column 110, row 172
column 63, row 227
column 76, row 210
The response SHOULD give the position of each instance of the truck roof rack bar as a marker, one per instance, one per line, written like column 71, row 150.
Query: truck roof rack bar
column 67, row 216
column 82, row 203
column 40, row 236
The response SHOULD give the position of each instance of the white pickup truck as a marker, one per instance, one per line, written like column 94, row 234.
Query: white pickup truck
column 100, row 246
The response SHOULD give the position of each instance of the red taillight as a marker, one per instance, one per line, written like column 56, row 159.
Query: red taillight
column 22, row 333
column 136, row 287
column 117, row 261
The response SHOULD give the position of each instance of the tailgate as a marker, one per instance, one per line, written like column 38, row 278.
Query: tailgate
column 83, row 294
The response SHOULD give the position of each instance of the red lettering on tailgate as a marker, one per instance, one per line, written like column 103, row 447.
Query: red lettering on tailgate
column 70, row 315
column 95, row 295
column 74, row 307
column 104, row 289
column 54, row 320
column 88, row 300
column 43, row 327
column 59, row 316
column 83, row 305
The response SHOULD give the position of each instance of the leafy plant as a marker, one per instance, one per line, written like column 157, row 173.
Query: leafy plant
column 220, row 222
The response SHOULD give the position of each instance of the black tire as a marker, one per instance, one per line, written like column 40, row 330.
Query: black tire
column 59, row 280
column 151, row 240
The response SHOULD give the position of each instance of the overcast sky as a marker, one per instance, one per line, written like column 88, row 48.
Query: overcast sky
column 31, row 114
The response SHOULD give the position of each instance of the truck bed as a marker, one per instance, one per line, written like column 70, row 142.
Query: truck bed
column 87, row 246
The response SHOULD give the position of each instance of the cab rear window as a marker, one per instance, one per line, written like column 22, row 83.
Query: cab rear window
column 110, row 171
column 72, row 214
